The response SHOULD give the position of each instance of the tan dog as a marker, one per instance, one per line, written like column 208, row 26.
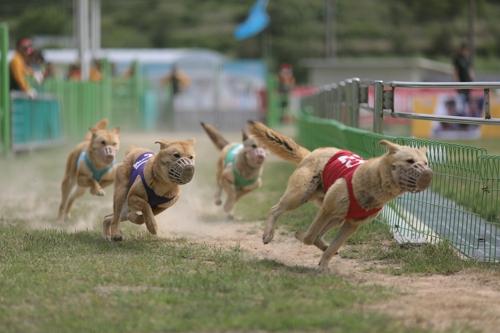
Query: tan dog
column 146, row 184
column 239, row 167
column 90, row 164
column 348, row 201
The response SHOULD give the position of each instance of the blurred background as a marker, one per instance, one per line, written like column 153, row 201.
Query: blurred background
column 151, row 64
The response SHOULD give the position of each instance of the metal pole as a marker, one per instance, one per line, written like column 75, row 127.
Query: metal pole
column 378, row 107
column 487, row 114
column 355, row 102
column 4, row 90
column 83, row 37
column 95, row 27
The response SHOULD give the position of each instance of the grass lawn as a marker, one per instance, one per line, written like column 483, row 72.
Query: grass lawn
column 54, row 281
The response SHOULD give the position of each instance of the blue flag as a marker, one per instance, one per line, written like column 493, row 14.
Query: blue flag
column 256, row 21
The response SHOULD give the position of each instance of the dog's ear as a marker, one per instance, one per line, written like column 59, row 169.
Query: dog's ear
column 116, row 130
column 423, row 150
column 93, row 131
column 163, row 143
column 191, row 141
column 391, row 146
column 244, row 135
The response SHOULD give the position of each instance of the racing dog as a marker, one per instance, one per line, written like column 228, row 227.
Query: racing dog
column 349, row 190
column 147, row 183
column 239, row 167
column 90, row 164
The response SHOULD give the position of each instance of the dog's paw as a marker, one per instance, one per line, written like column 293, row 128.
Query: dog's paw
column 97, row 191
column 230, row 217
column 299, row 235
column 323, row 268
column 268, row 236
column 117, row 238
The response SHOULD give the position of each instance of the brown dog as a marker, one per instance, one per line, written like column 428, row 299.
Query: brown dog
column 146, row 184
column 239, row 167
column 90, row 164
column 349, row 190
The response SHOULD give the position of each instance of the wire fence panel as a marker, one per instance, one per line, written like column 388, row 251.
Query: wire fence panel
column 462, row 205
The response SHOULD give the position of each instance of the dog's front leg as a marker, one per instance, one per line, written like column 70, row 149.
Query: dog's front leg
column 248, row 189
column 347, row 229
column 88, row 181
column 149, row 218
column 112, row 229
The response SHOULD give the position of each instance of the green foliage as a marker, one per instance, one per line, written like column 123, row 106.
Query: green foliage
column 296, row 31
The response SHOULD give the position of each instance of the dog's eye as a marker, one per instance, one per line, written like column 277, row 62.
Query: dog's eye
column 103, row 142
column 254, row 146
column 114, row 144
column 190, row 157
column 410, row 160
column 177, row 155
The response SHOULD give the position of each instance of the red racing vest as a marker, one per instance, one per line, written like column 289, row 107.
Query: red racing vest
column 342, row 165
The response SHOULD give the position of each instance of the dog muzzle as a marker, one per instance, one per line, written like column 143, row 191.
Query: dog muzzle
column 108, row 152
column 415, row 179
column 182, row 171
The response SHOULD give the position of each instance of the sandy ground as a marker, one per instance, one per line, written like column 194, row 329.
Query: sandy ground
column 470, row 299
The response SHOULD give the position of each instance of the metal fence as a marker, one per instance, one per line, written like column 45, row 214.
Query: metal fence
column 463, row 203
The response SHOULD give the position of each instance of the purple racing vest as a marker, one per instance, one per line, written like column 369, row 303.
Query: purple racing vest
column 154, row 200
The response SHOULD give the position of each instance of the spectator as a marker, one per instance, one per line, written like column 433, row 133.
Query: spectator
column 286, row 82
column 462, row 65
column 95, row 71
column 19, row 67
column 74, row 72
column 177, row 80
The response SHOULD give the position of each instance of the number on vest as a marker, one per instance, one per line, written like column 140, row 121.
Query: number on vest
column 350, row 161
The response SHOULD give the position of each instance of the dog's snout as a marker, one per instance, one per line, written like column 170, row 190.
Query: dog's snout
column 425, row 179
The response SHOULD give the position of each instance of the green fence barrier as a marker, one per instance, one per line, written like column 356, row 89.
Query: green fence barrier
column 35, row 122
column 125, row 102
column 273, row 116
column 4, row 91
column 462, row 205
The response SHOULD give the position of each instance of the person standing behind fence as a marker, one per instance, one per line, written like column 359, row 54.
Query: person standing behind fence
column 286, row 82
column 19, row 68
column 176, row 81
column 462, row 64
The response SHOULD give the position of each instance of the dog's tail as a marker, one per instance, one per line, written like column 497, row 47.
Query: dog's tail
column 279, row 144
column 214, row 135
column 101, row 124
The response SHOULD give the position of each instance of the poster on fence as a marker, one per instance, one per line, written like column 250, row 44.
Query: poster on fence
column 451, row 103
column 458, row 105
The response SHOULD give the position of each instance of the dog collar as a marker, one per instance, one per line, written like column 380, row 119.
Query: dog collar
column 97, row 174
column 239, row 180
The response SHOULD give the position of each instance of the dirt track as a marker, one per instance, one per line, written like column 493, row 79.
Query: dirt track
column 470, row 299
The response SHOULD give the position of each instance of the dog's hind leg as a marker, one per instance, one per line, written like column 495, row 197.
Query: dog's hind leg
column 294, row 196
column 66, row 187
column 76, row 194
